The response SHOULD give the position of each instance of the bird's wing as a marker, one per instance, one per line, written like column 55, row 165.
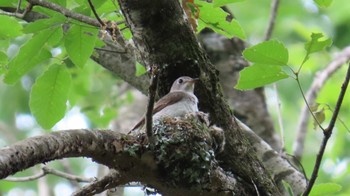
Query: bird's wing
column 161, row 104
column 165, row 101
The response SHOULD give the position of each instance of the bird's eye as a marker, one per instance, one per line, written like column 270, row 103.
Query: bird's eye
column 180, row 81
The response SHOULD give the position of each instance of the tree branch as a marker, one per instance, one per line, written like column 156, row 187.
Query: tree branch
column 152, row 95
column 319, row 81
column 328, row 132
column 125, row 153
column 111, row 180
column 273, row 14
column 95, row 13
column 187, row 57
column 46, row 170
column 66, row 12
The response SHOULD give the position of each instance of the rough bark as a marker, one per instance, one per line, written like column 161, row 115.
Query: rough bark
column 177, row 55
column 248, row 106
column 173, row 48
column 130, row 155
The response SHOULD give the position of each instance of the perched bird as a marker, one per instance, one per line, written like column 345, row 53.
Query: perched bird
column 178, row 102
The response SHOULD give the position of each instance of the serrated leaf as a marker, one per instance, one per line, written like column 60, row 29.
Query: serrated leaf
column 43, row 24
column 218, row 3
column 325, row 189
column 79, row 42
column 215, row 18
column 31, row 54
column 270, row 52
column 259, row 75
column 49, row 95
column 315, row 45
column 140, row 69
column 10, row 27
column 323, row 3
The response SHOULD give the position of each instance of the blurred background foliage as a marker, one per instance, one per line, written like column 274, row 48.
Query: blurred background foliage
column 96, row 94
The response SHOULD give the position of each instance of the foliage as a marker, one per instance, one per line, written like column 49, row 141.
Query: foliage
column 55, row 52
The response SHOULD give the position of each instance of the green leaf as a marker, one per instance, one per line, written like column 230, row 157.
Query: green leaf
column 10, row 27
column 31, row 54
column 315, row 45
column 325, row 189
column 215, row 18
column 49, row 95
column 140, row 69
column 79, row 42
column 270, row 52
column 218, row 3
column 8, row 3
column 3, row 58
column 3, row 62
column 259, row 75
column 323, row 3
column 43, row 24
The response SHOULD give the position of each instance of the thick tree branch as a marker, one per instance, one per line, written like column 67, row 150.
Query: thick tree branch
column 319, row 81
column 185, row 57
column 125, row 153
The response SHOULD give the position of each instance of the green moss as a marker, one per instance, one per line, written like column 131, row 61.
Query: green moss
column 183, row 149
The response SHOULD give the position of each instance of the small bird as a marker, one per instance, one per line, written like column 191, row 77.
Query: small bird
column 178, row 102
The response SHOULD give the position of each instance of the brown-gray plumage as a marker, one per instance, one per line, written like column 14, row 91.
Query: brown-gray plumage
column 178, row 102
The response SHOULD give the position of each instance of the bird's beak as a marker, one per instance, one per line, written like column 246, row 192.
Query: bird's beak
column 194, row 80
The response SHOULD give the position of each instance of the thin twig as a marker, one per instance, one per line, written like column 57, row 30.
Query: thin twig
column 268, row 34
column 273, row 14
column 45, row 171
column 95, row 13
column 111, row 180
column 279, row 115
column 17, row 14
column 66, row 175
column 308, row 104
column 112, row 51
column 66, row 12
column 27, row 178
column 316, row 86
column 328, row 132
column 18, row 6
column 152, row 94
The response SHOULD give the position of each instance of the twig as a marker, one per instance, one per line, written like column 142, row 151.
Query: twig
column 268, row 34
column 279, row 115
column 307, row 103
column 311, row 95
column 66, row 12
column 25, row 179
column 18, row 6
column 152, row 94
column 273, row 14
column 95, row 13
column 328, row 132
column 16, row 13
column 66, row 175
column 44, row 171
column 111, row 180
column 112, row 51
